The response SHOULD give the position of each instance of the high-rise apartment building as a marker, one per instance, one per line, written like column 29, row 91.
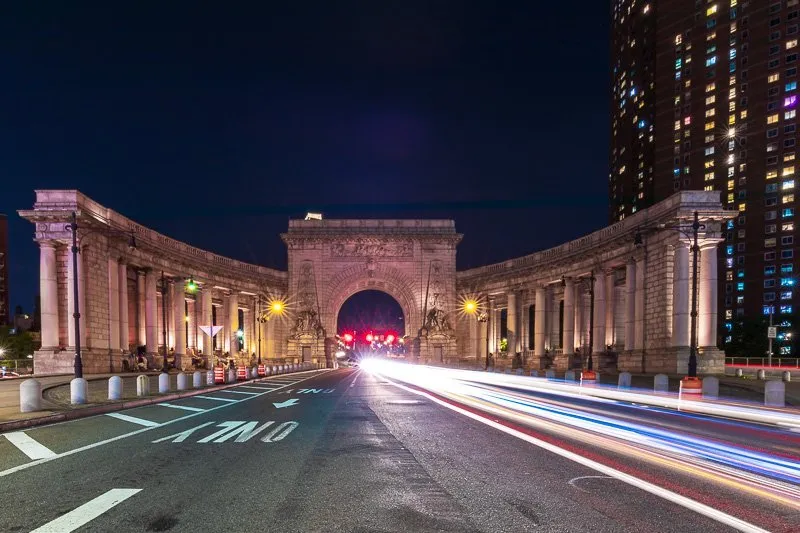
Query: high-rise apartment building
column 705, row 96
column 5, row 306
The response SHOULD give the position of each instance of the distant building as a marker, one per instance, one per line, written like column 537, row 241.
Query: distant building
column 704, row 96
column 5, row 305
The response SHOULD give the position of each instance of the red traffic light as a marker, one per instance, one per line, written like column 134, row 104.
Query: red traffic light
column 348, row 337
column 369, row 337
column 390, row 338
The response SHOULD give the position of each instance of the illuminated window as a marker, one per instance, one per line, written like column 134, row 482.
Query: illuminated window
column 742, row 207
column 730, row 201
column 791, row 44
column 677, row 125
column 710, row 87
column 772, row 119
column 789, row 114
column 743, row 114
column 772, row 174
column 678, row 39
column 788, row 157
column 711, row 10
column 788, row 226
column 711, row 99
column 786, row 185
column 731, row 119
column 688, row 120
column 787, row 199
column 730, row 184
column 709, row 176
column 790, row 101
column 711, row 112
column 791, row 86
column 711, row 61
column 731, row 94
column 709, row 150
column 787, row 171
column 709, row 164
column 770, row 243
column 709, row 125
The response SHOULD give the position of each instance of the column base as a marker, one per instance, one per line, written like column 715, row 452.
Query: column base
column 562, row 362
column 631, row 361
column 94, row 361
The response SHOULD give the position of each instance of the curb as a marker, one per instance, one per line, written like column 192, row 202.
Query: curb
column 109, row 408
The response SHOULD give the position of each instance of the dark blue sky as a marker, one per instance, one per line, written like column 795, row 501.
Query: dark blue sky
column 217, row 125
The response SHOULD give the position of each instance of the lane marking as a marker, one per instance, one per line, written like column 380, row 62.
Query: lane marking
column 287, row 403
column 27, row 445
column 668, row 495
column 133, row 419
column 184, row 407
column 229, row 400
column 255, row 387
column 25, row 466
column 238, row 392
column 87, row 512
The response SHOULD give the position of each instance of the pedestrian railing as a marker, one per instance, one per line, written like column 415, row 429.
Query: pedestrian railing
column 764, row 362
column 19, row 366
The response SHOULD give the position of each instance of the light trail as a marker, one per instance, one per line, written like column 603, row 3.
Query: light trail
column 603, row 419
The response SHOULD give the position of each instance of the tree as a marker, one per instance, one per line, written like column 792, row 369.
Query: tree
column 748, row 338
column 16, row 346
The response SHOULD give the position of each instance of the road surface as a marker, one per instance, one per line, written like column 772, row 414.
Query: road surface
column 352, row 451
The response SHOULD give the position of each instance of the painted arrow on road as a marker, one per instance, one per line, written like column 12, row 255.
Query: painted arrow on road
column 287, row 403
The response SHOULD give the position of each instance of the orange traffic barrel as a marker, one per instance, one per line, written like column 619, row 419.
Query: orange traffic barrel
column 691, row 387
column 241, row 373
column 262, row 370
column 588, row 377
column 219, row 374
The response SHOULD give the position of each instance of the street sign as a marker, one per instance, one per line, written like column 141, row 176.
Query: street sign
column 772, row 332
column 210, row 330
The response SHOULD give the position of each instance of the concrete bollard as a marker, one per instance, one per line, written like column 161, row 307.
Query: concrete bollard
column 787, row 376
column 739, row 372
column 569, row 376
column 761, row 374
column 550, row 374
column 231, row 375
column 197, row 379
column 711, row 388
column 274, row 370
column 163, row 383
column 775, row 394
column 30, row 396
column 247, row 374
column 254, row 372
column 210, row 377
column 534, row 373
column 115, row 388
column 661, row 383
column 624, row 380
column 183, row 381
column 78, row 391
column 142, row 386
column 520, row 371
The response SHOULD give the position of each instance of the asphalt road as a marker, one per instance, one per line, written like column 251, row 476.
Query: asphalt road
column 349, row 451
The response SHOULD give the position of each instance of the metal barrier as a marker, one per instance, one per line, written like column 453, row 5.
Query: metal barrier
column 22, row 367
column 763, row 362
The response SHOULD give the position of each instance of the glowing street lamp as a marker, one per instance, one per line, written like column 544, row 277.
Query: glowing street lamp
column 470, row 307
column 191, row 285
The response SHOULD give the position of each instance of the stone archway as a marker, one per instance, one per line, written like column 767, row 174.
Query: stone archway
column 413, row 261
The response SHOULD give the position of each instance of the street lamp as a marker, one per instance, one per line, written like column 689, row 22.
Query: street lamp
column 73, row 228
column 695, row 228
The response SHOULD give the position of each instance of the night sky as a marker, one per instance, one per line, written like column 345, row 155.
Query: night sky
column 215, row 126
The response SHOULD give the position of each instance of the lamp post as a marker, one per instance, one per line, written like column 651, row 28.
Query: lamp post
column 72, row 227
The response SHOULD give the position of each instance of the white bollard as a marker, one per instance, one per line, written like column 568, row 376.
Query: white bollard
column 210, row 377
column 661, row 383
column 246, row 373
column 775, row 394
column 142, row 386
column 163, row 383
column 197, row 379
column 274, row 370
column 739, row 372
column 30, row 396
column 624, row 380
column 231, row 375
column 711, row 388
column 254, row 372
column 569, row 376
column 115, row 388
column 183, row 381
column 534, row 373
column 550, row 374
column 787, row 376
column 520, row 371
column 78, row 391
column 762, row 374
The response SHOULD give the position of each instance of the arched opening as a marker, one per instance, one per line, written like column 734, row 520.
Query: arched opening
column 370, row 322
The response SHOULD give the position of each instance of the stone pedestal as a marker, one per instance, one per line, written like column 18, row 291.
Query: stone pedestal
column 561, row 362
column 630, row 361
column 438, row 350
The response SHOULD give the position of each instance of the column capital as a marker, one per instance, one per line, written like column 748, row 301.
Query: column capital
column 705, row 246
column 48, row 243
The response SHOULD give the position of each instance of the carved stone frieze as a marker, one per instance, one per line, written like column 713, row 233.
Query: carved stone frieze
column 372, row 248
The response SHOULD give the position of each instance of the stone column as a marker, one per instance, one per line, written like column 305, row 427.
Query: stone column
column 170, row 303
column 270, row 342
column 609, row 309
column 540, row 312
column 483, row 334
column 578, row 310
column 74, row 271
column 191, row 323
column 638, row 334
column 206, row 320
column 179, row 319
column 680, row 296
column 473, row 335
column 124, row 330
column 569, row 317
column 48, row 288
column 630, row 304
column 233, row 323
column 512, row 323
column 113, row 305
column 707, row 297
column 141, row 305
column 599, row 313
column 151, row 313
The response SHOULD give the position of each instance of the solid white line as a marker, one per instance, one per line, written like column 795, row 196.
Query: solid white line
column 87, row 512
column 28, row 446
column 184, row 407
column 133, row 419
column 255, row 387
column 25, row 466
column 217, row 399
column 668, row 495
column 238, row 392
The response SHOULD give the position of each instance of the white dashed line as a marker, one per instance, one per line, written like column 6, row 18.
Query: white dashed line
column 133, row 419
column 184, row 407
column 239, row 392
column 217, row 399
column 28, row 446
column 86, row 512
column 254, row 387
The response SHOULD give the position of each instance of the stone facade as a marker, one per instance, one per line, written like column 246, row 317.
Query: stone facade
column 621, row 293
